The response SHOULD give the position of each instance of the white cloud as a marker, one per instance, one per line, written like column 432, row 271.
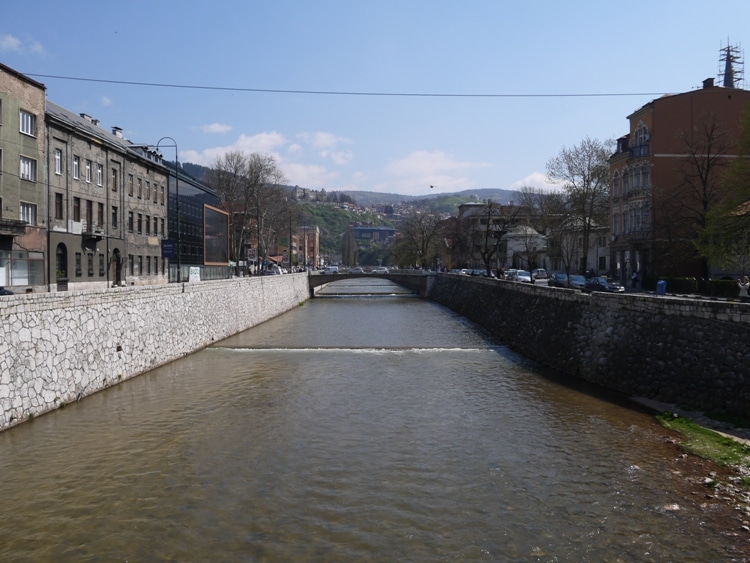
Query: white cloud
column 10, row 43
column 534, row 180
column 106, row 101
column 216, row 128
column 415, row 173
column 321, row 140
column 263, row 143
column 311, row 176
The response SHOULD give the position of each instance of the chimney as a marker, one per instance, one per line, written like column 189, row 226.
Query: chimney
column 86, row 117
column 117, row 132
column 708, row 83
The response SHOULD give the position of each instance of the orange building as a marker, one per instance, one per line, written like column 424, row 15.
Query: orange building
column 665, row 174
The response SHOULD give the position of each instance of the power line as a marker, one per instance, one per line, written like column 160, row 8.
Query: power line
column 343, row 92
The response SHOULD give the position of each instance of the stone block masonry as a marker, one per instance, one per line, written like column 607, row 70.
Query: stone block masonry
column 684, row 351
column 56, row 348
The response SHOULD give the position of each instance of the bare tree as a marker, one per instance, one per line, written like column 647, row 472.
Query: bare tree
column 418, row 235
column 494, row 225
column 583, row 172
column 682, row 212
column 248, row 188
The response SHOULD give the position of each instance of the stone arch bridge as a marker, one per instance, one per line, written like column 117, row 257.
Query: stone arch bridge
column 416, row 280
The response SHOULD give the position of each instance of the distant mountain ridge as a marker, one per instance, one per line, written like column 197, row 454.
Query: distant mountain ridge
column 365, row 198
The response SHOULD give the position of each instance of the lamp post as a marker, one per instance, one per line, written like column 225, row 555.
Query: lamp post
column 157, row 146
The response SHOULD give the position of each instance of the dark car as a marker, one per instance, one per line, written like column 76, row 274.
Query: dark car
column 601, row 283
column 558, row 280
column 4, row 291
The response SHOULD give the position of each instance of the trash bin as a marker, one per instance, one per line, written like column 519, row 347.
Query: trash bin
column 661, row 287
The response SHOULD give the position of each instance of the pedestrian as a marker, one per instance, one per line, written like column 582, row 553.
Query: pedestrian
column 743, row 284
column 634, row 280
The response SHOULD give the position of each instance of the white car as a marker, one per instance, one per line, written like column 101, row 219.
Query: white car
column 380, row 270
column 331, row 270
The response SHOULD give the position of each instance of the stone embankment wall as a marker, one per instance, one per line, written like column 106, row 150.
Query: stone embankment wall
column 685, row 351
column 58, row 347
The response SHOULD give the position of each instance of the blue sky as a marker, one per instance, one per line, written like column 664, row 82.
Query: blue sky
column 518, row 73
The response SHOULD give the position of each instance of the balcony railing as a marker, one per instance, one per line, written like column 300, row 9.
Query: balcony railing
column 92, row 229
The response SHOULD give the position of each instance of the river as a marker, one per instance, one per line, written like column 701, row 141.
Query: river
column 353, row 428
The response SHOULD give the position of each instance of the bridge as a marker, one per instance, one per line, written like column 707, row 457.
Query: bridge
column 417, row 281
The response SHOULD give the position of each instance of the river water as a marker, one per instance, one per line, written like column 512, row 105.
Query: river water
column 349, row 429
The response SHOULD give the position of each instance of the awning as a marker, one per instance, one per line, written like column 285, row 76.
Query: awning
column 276, row 259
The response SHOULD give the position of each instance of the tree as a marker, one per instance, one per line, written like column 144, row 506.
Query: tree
column 583, row 172
column 724, row 239
column 247, row 186
column 683, row 212
column 417, row 238
column 494, row 225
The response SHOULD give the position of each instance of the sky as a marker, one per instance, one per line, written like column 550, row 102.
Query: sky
column 412, row 97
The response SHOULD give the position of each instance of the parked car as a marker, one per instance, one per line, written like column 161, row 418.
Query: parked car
column 539, row 274
column 576, row 281
column 524, row 276
column 331, row 270
column 4, row 291
column 510, row 274
column 558, row 280
column 380, row 270
column 356, row 270
column 600, row 283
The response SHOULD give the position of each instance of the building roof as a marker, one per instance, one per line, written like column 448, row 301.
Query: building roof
column 23, row 77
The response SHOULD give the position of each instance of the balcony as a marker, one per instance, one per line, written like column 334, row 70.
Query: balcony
column 12, row 227
column 92, row 231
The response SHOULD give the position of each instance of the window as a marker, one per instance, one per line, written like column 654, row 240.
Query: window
column 114, row 179
column 28, row 213
column 162, row 195
column 130, row 221
column 28, row 123
column 130, row 264
column 79, row 265
column 114, row 218
column 58, row 161
column 27, row 168
column 130, row 184
column 90, row 263
column 58, row 206
column 140, row 265
column 156, row 193
column 156, row 225
column 148, row 225
column 88, row 171
column 99, row 175
column 101, row 265
column 148, row 265
column 100, row 214
column 148, row 190
column 140, row 223
column 89, row 212
column 162, row 227
column 76, row 167
column 77, row 209
column 140, row 188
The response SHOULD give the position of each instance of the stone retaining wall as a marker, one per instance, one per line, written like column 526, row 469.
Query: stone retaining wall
column 58, row 347
column 684, row 351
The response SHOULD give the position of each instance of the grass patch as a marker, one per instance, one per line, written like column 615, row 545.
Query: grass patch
column 706, row 443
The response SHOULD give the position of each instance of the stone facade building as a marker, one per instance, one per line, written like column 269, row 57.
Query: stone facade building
column 107, row 207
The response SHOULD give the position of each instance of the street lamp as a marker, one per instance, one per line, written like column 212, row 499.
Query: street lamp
column 177, row 192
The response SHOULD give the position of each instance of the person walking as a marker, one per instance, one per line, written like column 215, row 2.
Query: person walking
column 744, row 285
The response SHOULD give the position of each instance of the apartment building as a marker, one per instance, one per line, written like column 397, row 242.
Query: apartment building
column 23, row 208
column 107, row 207
column 665, row 173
